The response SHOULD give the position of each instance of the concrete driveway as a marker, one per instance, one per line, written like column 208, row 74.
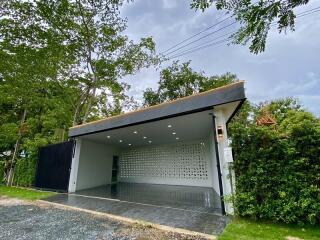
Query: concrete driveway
column 39, row 220
column 183, row 218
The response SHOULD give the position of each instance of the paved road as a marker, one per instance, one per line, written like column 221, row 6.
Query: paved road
column 34, row 220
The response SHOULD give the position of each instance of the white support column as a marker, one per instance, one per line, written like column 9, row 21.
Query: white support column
column 74, row 167
column 225, row 169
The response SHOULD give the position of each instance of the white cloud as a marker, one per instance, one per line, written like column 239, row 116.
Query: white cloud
column 167, row 4
column 303, row 85
column 288, row 67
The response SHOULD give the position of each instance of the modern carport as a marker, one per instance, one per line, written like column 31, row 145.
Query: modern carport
column 168, row 155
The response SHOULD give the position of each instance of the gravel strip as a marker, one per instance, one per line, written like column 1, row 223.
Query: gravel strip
column 33, row 220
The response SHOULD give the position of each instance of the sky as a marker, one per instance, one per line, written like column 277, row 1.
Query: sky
column 289, row 67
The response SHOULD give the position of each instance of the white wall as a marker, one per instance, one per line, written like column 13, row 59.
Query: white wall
column 94, row 165
column 214, row 170
column 225, row 170
column 183, row 163
column 74, row 166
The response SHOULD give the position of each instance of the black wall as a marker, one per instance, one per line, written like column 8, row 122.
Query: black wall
column 54, row 165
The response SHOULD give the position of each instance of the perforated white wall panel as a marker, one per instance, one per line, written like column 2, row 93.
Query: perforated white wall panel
column 178, row 164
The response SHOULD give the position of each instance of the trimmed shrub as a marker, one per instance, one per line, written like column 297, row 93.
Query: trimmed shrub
column 2, row 172
column 278, row 169
column 24, row 174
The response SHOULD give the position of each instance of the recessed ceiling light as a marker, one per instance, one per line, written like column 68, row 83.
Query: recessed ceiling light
column 169, row 126
column 150, row 141
column 177, row 138
column 120, row 140
column 144, row 137
column 135, row 132
column 174, row 133
column 108, row 136
column 129, row 144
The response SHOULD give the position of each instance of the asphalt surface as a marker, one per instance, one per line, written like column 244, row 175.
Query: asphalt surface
column 33, row 220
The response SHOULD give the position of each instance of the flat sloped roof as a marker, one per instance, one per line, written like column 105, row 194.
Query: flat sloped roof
column 190, row 104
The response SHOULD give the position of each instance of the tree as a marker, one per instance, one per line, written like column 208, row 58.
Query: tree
column 279, row 108
column 277, row 167
column 30, row 84
column 89, row 37
column 61, row 63
column 179, row 80
column 256, row 17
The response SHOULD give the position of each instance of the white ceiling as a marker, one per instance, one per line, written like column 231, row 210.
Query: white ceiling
column 186, row 128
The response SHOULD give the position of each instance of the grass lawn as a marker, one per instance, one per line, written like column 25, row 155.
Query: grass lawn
column 27, row 194
column 242, row 229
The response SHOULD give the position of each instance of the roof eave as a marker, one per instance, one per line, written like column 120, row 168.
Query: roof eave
column 194, row 103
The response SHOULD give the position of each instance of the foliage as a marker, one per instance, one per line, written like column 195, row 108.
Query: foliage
column 244, row 229
column 28, row 194
column 256, row 17
column 62, row 63
column 82, row 42
column 26, row 164
column 179, row 80
column 25, row 172
column 278, row 168
column 2, row 172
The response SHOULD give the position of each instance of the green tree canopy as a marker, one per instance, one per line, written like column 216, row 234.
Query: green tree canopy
column 256, row 17
column 81, row 42
column 277, row 167
column 62, row 63
column 180, row 80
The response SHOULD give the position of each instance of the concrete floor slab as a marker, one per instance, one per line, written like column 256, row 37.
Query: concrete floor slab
column 183, row 197
column 174, row 206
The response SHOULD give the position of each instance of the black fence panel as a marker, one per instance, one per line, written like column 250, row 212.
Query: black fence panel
column 54, row 164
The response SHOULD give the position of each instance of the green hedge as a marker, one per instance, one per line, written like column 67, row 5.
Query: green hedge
column 278, row 170
column 26, row 167
column 1, row 172
column 24, row 174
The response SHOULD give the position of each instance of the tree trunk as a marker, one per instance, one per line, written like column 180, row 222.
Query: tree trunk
column 79, row 106
column 16, row 149
column 86, row 115
column 90, row 65
column 76, row 113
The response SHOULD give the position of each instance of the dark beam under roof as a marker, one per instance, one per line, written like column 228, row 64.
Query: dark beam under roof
column 194, row 103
